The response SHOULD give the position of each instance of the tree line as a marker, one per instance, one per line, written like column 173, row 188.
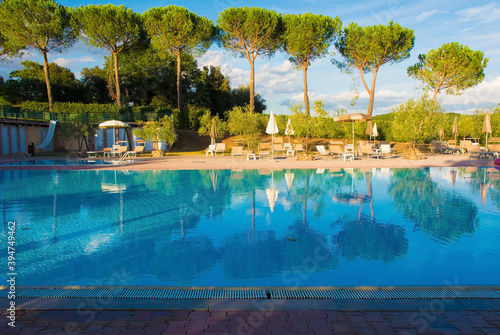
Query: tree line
column 171, row 37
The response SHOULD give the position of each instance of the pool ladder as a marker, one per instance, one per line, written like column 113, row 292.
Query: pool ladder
column 125, row 157
column 26, row 156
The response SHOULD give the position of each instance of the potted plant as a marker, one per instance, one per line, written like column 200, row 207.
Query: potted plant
column 162, row 130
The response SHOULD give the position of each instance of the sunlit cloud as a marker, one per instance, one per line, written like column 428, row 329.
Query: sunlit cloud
column 425, row 15
column 73, row 62
column 484, row 14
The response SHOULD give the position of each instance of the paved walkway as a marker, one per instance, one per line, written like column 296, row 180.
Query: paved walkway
column 251, row 322
column 199, row 162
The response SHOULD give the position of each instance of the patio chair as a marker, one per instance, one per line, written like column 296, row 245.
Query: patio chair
column 385, row 148
column 210, row 150
column 288, row 149
column 237, row 151
column 264, row 150
column 220, row 148
column 322, row 151
column 364, row 148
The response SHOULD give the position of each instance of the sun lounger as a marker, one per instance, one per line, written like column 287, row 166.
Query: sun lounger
column 322, row 151
column 278, row 148
column 138, row 149
column 494, row 148
column 220, row 148
column 473, row 149
column 264, row 150
column 364, row 148
column 299, row 148
column 96, row 153
column 237, row 151
column 336, row 149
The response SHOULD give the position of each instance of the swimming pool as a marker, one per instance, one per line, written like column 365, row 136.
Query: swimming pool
column 338, row 227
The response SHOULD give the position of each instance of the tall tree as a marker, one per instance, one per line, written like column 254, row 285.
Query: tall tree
column 115, row 28
column 29, row 83
column 452, row 67
column 307, row 37
column 40, row 25
column 178, row 31
column 367, row 49
column 250, row 32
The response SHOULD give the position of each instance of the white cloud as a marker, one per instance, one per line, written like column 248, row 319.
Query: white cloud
column 484, row 14
column 425, row 15
column 73, row 62
column 482, row 95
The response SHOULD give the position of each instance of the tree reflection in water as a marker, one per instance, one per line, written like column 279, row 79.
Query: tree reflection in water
column 442, row 214
column 370, row 240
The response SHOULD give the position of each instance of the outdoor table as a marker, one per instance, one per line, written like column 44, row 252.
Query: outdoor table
column 250, row 155
column 347, row 155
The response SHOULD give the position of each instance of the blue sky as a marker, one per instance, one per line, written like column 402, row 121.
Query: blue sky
column 434, row 23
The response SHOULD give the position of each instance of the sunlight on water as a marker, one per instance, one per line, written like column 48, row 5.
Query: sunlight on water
column 337, row 227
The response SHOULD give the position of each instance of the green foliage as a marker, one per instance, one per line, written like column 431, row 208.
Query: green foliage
column 241, row 95
column 206, row 124
column 250, row 32
column 306, row 38
column 194, row 114
column 178, row 31
column 250, row 29
column 213, row 90
column 4, row 102
column 79, row 130
column 158, row 131
column 240, row 121
column 318, row 109
column 29, row 83
column 115, row 28
column 367, row 49
column 452, row 68
column 413, row 121
column 95, row 85
column 40, row 25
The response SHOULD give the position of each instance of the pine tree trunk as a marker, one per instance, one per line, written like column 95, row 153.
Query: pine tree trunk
column 179, row 91
column 47, row 79
column 306, row 96
column 372, row 95
column 117, row 83
column 252, row 86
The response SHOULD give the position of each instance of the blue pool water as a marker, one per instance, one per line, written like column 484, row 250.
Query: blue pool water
column 432, row 226
column 56, row 162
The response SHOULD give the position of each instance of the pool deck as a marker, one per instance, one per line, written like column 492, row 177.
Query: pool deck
column 201, row 162
column 410, row 316
column 235, row 321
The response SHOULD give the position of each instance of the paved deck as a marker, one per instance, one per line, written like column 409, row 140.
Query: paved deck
column 200, row 162
column 251, row 322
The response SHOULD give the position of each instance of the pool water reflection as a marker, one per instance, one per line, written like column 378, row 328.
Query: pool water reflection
column 337, row 227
